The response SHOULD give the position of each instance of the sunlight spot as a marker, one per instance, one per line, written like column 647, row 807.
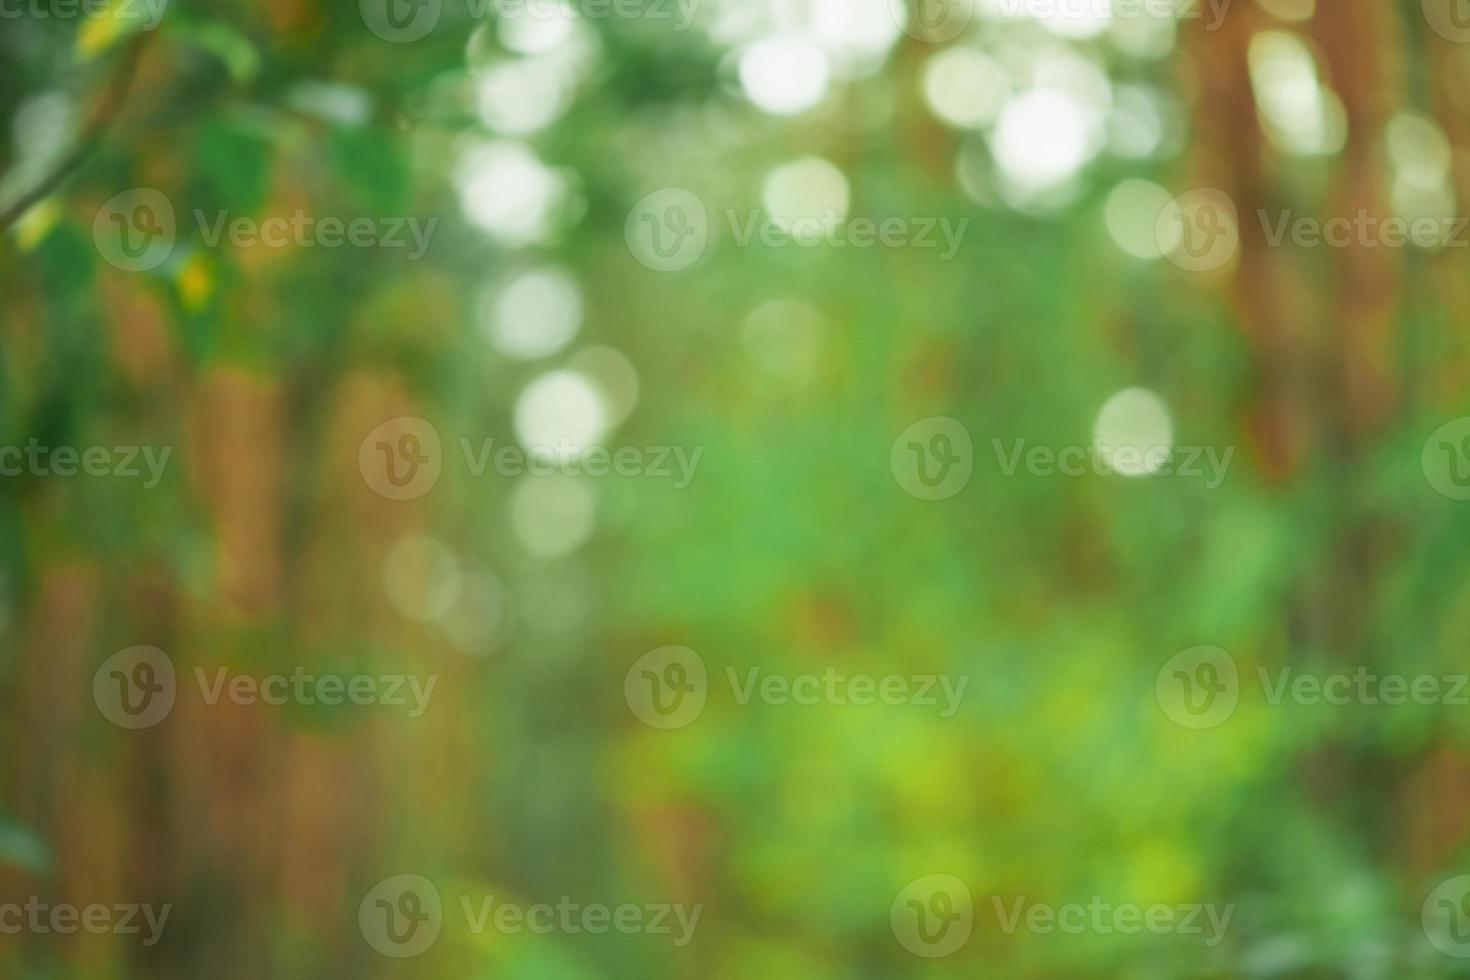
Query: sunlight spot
column 1133, row 434
column 421, row 577
column 560, row 414
column 535, row 315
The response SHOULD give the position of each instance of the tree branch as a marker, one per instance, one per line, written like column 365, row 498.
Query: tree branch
column 109, row 105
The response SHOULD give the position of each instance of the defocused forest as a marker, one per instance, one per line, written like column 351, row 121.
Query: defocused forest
column 319, row 285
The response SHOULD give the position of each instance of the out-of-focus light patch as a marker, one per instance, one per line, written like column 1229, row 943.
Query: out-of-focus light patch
column 809, row 190
column 1083, row 79
column 530, row 28
column 1295, row 11
column 1299, row 115
column 346, row 105
column 1075, row 19
column 481, row 618
column 560, row 414
column 1429, row 209
column 1132, row 213
column 784, row 75
column 783, row 338
column 972, row 171
column 857, row 34
column 483, row 49
column 615, row 378
column 1136, row 125
column 519, row 97
column 964, row 87
column 1040, row 140
column 1418, row 150
column 507, row 192
column 43, row 125
column 1133, row 434
column 534, row 315
column 552, row 516
column 1147, row 34
column 421, row 577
